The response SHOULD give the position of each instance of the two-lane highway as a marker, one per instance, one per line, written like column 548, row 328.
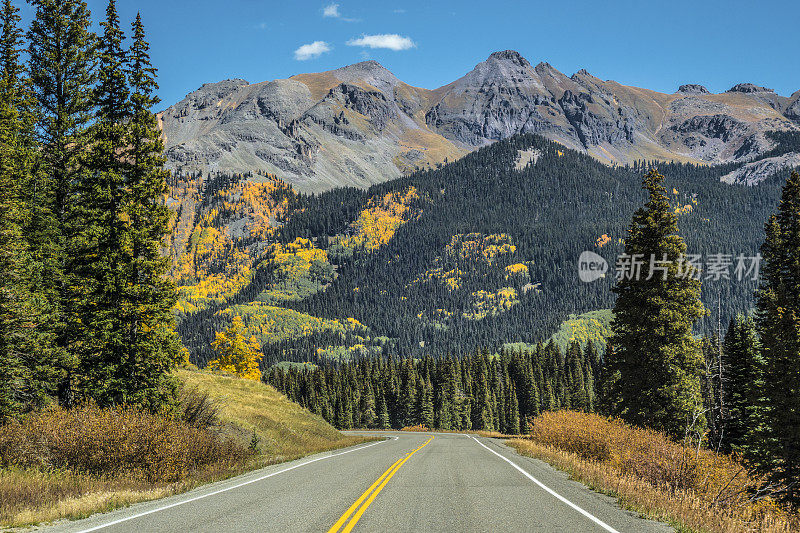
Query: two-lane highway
column 408, row 482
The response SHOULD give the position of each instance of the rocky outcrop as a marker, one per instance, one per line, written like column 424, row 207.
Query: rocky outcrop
column 757, row 171
column 749, row 88
column 693, row 88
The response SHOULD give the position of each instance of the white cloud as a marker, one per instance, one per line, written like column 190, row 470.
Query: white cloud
column 331, row 10
column 311, row 50
column 392, row 41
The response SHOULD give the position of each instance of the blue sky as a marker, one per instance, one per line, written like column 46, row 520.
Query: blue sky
column 657, row 45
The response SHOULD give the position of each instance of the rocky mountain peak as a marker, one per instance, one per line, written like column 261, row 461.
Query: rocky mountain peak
column 360, row 124
column 693, row 88
column 748, row 88
column 509, row 55
column 370, row 72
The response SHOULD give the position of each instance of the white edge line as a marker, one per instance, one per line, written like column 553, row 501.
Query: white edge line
column 551, row 491
column 226, row 489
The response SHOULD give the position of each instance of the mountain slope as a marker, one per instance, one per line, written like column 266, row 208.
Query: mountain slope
column 353, row 126
column 480, row 252
column 360, row 125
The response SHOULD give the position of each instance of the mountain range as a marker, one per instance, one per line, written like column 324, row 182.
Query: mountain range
column 360, row 125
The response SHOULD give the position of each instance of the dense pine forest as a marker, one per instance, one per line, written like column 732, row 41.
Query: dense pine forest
column 480, row 392
column 485, row 254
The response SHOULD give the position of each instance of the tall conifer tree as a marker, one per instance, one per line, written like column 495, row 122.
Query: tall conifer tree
column 14, row 166
column 655, row 362
column 61, row 62
column 778, row 321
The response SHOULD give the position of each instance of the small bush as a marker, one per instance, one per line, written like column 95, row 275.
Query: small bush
column 418, row 427
column 118, row 441
column 197, row 409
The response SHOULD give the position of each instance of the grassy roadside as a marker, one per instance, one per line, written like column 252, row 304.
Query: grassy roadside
column 75, row 463
column 694, row 491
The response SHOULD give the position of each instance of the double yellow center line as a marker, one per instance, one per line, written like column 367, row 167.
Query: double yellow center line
column 370, row 494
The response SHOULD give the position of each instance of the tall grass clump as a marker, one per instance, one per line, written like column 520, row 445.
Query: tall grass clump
column 689, row 486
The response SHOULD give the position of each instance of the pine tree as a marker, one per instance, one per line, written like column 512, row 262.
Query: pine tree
column 383, row 413
column 427, row 405
column 61, row 60
column 655, row 363
column 744, row 383
column 512, row 425
column 778, row 321
column 152, row 346
column 367, row 409
column 100, row 246
column 13, row 336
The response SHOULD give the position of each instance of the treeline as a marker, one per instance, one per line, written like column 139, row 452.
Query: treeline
column 481, row 392
column 85, row 306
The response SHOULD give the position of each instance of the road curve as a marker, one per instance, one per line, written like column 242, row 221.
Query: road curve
column 408, row 482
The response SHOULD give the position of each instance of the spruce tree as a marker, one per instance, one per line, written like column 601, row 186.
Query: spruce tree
column 778, row 321
column 61, row 62
column 152, row 346
column 13, row 335
column 427, row 405
column 101, row 245
column 655, row 363
column 744, row 383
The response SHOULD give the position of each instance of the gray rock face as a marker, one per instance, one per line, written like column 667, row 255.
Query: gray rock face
column 359, row 124
column 793, row 109
column 757, row 171
column 693, row 88
column 749, row 88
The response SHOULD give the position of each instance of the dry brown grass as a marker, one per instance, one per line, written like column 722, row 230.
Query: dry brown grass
column 693, row 489
column 70, row 464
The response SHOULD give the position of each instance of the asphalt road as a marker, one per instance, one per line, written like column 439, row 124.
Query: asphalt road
column 408, row 482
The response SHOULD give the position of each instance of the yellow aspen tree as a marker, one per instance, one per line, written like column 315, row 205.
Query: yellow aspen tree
column 237, row 354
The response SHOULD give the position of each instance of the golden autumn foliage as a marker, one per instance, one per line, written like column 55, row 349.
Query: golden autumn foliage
column 377, row 224
column 466, row 249
column 238, row 354
column 517, row 269
column 594, row 326
column 215, row 240
column 650, row 473
column 478, row 246
column 271, row 323
column 602, row 240
column 301, row 269
column 486, row 303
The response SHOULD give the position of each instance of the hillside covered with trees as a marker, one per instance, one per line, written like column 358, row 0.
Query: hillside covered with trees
column 478, row 253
